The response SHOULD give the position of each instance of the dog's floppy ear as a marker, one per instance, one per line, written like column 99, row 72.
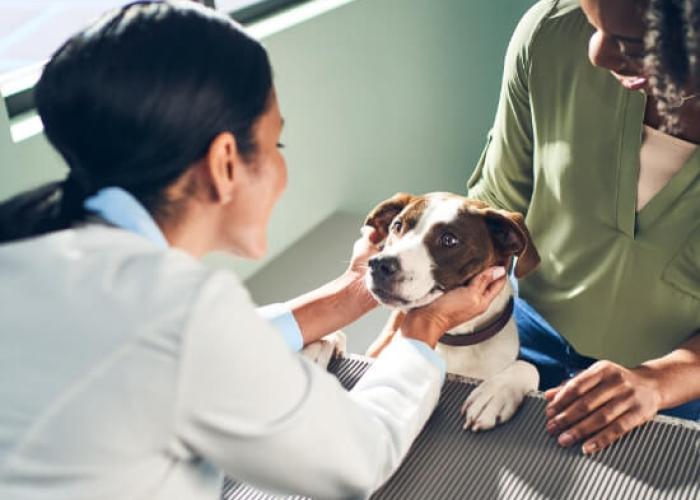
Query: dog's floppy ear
column 511, row 237
column 382, row 215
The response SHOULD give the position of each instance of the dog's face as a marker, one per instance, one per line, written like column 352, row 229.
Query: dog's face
column 439, row 241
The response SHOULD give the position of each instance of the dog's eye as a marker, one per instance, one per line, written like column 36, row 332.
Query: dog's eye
column 396, row 226
column 448, row 240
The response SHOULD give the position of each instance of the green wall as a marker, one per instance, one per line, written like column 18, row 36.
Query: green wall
column 379, row 96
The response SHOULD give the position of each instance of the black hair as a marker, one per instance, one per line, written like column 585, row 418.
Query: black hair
column 134, row 100
column 673, row 53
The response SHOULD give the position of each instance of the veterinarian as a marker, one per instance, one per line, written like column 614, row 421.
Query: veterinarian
column 595, row 140
column 128, row 369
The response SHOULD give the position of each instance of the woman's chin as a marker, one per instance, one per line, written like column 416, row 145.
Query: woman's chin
column 257, row 254
column 251, row 248
column 254, row 251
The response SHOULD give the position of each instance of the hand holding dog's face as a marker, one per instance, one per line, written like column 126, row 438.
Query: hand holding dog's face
column 363, row 249
column 439, row 241
column 456, row 306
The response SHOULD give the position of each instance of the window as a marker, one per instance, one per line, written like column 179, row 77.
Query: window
column 247, row 11
column 234, row 5
column 31, row 30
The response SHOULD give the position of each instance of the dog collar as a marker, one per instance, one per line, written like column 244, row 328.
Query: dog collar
column 467, row 339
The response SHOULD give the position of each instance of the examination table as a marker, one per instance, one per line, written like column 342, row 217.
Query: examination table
column 519, row 460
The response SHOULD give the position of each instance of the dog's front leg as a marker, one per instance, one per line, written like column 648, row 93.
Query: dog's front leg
column 496, row 399
column 392, row 326
column 323, row 350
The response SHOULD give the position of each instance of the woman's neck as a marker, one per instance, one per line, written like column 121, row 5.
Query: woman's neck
column 188, row 234
column 689, row 119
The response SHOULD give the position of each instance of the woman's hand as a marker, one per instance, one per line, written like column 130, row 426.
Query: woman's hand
column 363, row 249
column 341, row 301
column 457, row 306
column 601, row 404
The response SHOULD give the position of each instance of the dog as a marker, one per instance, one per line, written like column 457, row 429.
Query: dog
column 433, row 243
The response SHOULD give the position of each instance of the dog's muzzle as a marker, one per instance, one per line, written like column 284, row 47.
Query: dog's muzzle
column 384, row 275
column 384, row 269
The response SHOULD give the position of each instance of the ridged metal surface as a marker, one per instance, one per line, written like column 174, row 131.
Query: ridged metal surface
column 519, row 460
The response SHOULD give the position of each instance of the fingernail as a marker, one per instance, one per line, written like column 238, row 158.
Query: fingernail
column 551, row 426
column 566, row 439
column 498, row 272
column 589, row 448
column 549, row 412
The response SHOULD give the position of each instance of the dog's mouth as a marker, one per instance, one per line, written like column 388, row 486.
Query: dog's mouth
column 388, row 298
column 439, row 287
column 393, row 300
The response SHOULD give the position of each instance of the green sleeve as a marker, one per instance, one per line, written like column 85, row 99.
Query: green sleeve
column 503, row 177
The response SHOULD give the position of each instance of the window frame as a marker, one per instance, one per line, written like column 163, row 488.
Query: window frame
column 261, row 10
column 21, row 101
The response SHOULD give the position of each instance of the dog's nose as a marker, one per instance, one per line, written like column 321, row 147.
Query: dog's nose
column 384, row 267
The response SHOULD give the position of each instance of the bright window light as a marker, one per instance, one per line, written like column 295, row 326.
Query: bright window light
column 31, row 30
column 230, row 6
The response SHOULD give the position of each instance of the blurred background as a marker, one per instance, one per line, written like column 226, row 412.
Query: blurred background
column 379, row 96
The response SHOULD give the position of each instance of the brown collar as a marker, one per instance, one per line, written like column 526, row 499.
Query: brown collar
column 466, row 339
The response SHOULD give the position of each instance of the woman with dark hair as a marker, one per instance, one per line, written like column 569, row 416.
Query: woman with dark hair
column 595, row 140
column 130, row 370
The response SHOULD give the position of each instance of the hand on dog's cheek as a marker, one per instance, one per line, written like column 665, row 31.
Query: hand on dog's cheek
column 363, row 249
column 600, row 405
column 458, row 305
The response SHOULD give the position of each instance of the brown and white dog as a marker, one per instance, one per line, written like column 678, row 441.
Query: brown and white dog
column 439, row 241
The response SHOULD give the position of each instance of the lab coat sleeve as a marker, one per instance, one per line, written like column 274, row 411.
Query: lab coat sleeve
column 503, row 177
column 269, row 418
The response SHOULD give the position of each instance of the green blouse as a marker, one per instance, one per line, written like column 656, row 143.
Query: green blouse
column 564, row 150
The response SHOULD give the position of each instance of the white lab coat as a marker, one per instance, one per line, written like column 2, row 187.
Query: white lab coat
column 132, row 372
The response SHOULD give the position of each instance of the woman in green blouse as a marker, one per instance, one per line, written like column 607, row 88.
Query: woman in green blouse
column 603, row 160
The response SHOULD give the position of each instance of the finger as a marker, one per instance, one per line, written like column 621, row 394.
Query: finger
column 595, row 422
column 585, row 405
column 575, row 388
column 493, row 289
column 371, row 234
column 614, row 431
column 481, row 281
column 550, row 393
column 494, row 273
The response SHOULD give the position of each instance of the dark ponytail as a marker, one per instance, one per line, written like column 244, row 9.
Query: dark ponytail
column 133, row 101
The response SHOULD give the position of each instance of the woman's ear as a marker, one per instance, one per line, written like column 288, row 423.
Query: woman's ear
column 222, row 161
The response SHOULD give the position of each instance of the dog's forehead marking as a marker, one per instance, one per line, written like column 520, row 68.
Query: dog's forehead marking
column 439, row 209
column 432, row 209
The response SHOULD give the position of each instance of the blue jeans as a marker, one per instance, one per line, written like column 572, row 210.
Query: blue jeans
column 556, row 359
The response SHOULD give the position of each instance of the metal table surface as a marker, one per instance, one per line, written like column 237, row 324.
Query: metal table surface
column 519, row 460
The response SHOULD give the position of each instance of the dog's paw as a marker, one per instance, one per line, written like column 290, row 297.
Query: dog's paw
column 491, row 403
column 322, row 351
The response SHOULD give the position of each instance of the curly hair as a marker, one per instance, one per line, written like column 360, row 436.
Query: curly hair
column 672, row 47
